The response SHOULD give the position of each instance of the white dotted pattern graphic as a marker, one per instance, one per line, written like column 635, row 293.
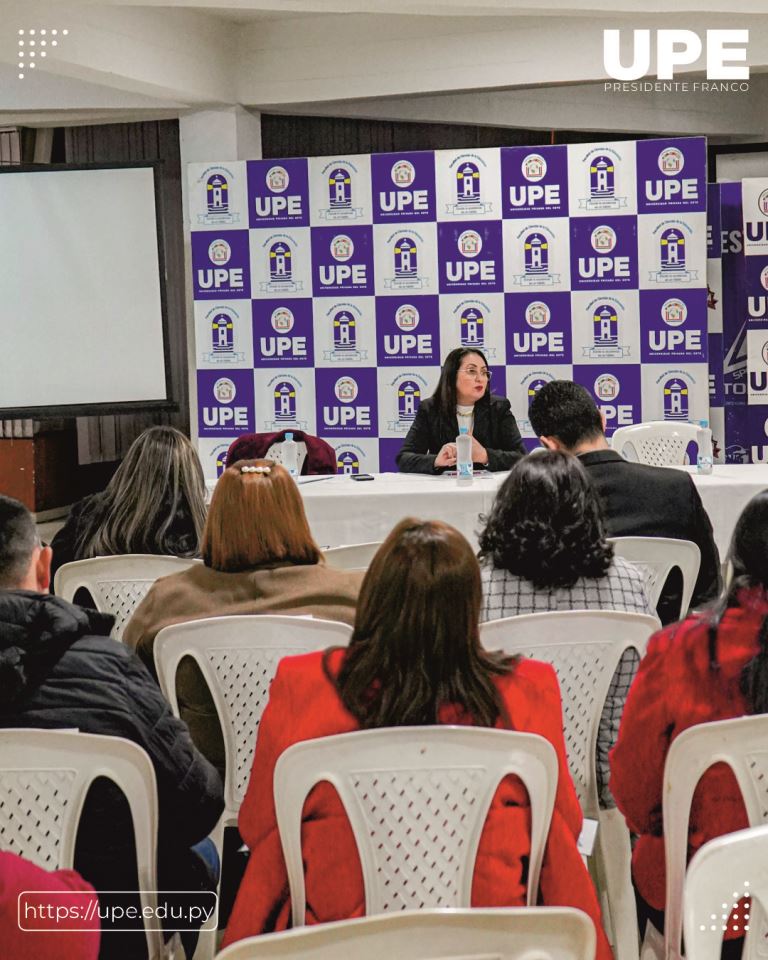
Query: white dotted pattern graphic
column 34, row 43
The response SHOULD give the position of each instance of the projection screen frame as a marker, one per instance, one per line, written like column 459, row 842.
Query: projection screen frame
column 55, row 411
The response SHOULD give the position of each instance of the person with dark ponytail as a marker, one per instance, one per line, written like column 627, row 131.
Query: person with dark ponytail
column 712, row 666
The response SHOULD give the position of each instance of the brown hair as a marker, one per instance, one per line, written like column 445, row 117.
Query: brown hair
column 416, row 642
column 158, row 488
column 256, row 518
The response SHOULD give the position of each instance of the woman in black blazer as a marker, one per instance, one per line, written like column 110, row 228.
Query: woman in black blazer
column 463, row 397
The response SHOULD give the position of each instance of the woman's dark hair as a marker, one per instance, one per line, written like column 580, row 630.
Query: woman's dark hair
column 545, row 524
column 445, row 391
column 416, row 642
column 748, row 556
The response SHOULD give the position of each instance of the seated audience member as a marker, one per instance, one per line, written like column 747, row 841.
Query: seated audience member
column 543, row 548
column 155, row 503
column 712, row 666
column 462, row 399
column 59, row 668
column 259, row 557
column 638, row 500
column 415, row 658
column 26, row 891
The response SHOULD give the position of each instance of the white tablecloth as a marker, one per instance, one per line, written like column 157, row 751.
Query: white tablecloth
column 341, row 510
column 726, row 492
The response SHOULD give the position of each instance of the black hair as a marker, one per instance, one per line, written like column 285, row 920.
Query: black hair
column 748, row 556
column 18, row 538
column 445, row 391
column 546, row 524
column 567, row 411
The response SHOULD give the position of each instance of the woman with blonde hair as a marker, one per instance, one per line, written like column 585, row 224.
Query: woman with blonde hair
column 414, row 658
column 154, row 503
column 258, row 557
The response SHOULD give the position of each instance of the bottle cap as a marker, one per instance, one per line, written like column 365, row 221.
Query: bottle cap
column 704, row 423
column 289, row 436
column 462, row 430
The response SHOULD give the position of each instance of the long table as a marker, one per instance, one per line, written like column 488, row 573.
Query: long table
column 341, row 510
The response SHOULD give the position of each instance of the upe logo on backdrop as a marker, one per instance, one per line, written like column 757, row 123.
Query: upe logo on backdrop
column 217, row 209
column 283, row 345
column 534, row 168
column 470, row 245
column 605, row 343
column 405, row 257
column 403, row 199
column 603, row 241
column 672, row 255
column 343, row 320
column 342, row 249
column 537, row 316
column 220, row 253
column 223, row 320
column 677, row 48
column 277, row 181
column 346, row 390
column 224, row 392
column 607, row 389
column 675, row 399
column 340, row 196
column 285, row 410
column 407, row 343
column 536, row 254
column 674, row 314
column 348, row 460
column 671, row 162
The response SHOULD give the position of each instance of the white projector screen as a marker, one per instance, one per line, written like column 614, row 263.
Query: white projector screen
column 82, row 325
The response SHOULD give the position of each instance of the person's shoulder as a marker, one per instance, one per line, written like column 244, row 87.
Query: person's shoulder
column 533, row 678
column 500, row 404
column 667, row 477
column 305, row 675
column 678, row 639
column 623, row 569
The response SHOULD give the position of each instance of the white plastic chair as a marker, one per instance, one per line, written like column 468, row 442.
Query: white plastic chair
column 742, row 744
column 238, row 658
column 44, row 778
column 117, row 584
column 520, row 933
column 417, row 800
column 657, row 556
column 721, row 872
column 660, row 443
column 275, row 453
column 355, row 556
column 585, row 647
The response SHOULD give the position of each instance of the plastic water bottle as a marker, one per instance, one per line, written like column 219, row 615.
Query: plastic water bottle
column 463, row 458
column 704, row 443
column 290, row 455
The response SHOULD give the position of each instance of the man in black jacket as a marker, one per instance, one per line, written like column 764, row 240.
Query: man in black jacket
column 638, row 500
column 60, row 668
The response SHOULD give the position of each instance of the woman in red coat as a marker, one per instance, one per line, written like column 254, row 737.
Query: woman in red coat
column 712, row 666
column 414, row 658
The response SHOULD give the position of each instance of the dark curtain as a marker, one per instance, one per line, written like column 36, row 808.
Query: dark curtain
column 289, row 136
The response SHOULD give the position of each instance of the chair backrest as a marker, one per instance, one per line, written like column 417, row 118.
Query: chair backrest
column 742, row 744
column 238, row 657
column 275, row 453
column 417, row 800
column 117, row 584
column 316, row 455
column 44, row 778
column 661, row 443
column 522, row 933
column 354, row 556
column 720, row 873
column 584, row 647
column 657, row 556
